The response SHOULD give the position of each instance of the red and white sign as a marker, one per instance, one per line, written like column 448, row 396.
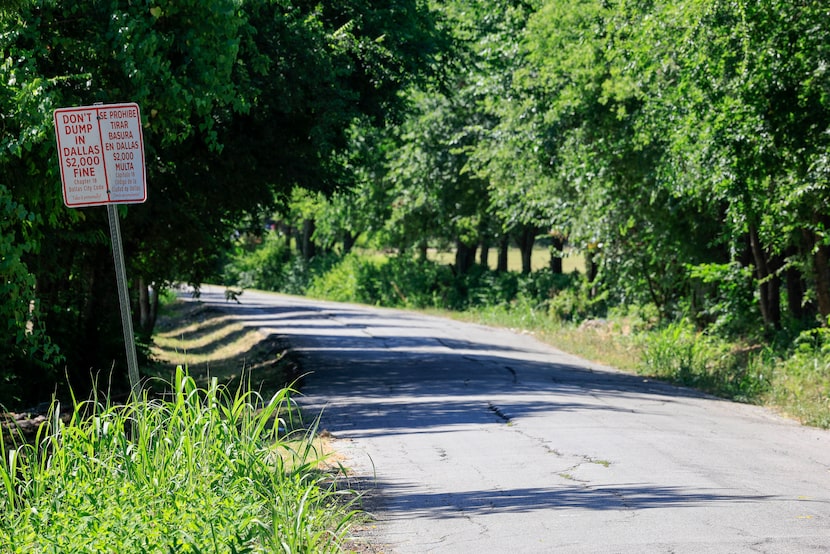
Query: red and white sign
column 101, row 153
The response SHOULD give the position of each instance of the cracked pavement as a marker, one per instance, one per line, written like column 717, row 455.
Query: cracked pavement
column 474, row 439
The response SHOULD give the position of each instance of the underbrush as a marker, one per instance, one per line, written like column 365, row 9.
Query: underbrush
column 682, row 354
column 801, row 381
column 205, row 470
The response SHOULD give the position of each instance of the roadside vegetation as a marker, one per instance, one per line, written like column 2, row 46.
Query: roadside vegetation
column 202, row 469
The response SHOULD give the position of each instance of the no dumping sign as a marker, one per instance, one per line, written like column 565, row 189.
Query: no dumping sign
column 101, row 154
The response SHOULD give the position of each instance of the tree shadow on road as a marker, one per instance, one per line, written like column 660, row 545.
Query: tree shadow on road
column 402, row 500
column 386, row 372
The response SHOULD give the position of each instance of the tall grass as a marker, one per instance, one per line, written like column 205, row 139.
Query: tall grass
column 801, row 382
column 682, row 354
column 203, row 470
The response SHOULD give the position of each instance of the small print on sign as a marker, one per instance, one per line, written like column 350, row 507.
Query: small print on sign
column 101, row 154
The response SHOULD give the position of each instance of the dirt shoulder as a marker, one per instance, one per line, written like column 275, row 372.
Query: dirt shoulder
column 211, row 344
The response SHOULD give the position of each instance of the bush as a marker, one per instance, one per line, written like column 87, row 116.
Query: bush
column 343, row 282
column 270, row 264
column 575, row 301
column 485, row 287
column 25, row 347
column 261, row 266
column 683, row 355
column 295, row 277
column 723, row 299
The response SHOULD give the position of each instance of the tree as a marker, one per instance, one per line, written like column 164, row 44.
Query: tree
column 745, row 84
column 439, row 170
column 433, row 198
column 586, row 110
column 687, row 134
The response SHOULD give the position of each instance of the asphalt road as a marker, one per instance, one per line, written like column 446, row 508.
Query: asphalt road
column 474, row 439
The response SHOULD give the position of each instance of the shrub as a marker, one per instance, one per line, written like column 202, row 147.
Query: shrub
column 574, row 300
column 723, row 299
column 25, row 347
column 344, row 281
column 681, row 354
column 262, row 266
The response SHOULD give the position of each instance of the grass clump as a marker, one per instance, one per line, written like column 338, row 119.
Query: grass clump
column 204, row 470
column 682, row 354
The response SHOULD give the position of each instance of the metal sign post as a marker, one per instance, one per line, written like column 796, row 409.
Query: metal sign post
column 124, row 301
column 101, row 154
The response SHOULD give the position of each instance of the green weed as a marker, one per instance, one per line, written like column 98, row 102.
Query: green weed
column 205, row 470
column 801, row 381
column 681, row 354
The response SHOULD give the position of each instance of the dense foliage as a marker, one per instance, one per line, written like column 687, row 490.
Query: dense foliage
column 679, row 146
column 240, row 100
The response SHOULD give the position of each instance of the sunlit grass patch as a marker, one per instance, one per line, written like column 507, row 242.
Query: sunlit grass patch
column 801, row 386
column 539, row 259
column 609, row 343
column 221, row 344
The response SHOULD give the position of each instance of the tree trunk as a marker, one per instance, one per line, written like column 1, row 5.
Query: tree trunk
column 795, row 293
column 297, row 234
column 774, row 292
column 556, row 246
column 148, row 301
column 465, row 257
column 348, row 241
column 591, row 266
column 527, row 238
column 144, row 316
column 821, row 267
column 423, row 251
column 504, row 248
column 484, row 255
column 308, row 249
column 768, row 283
